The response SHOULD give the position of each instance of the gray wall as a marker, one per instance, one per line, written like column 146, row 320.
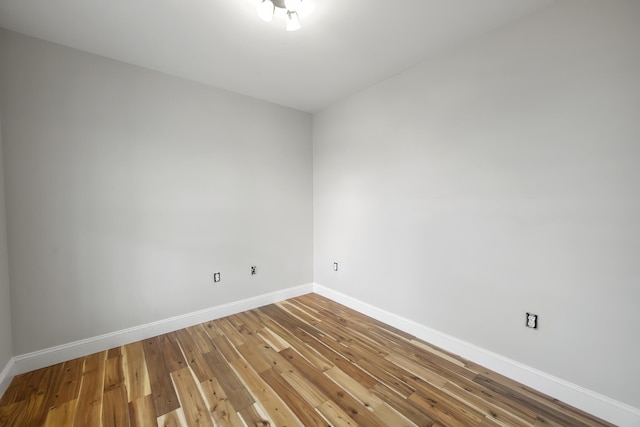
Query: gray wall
column 126, row 189
column 6, row 345
column 499, row 178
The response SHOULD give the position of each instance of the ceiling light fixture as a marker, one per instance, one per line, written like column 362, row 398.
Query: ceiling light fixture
column 267, row 8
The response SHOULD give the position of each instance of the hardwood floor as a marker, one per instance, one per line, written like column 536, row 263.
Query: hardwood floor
column 307, row 361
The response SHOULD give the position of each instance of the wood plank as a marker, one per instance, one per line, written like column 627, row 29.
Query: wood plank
column 272, row 358
column 305, row 412
column 428, row 356
column 541, row 421
column 252, row 417
column 250, row 354
column 164, row 395
column 483, row 400
column 113, row 373
column 16, row 391
column 136, row 375
column 544, row 411
column 417, row 370
column 41, row 392
column 193, row 356
column 62, row 414
column 324, row 346
column 11, row 415
column 89, row 410
column 174, row 418
column 274, row 340
column 300, row 346
column 202, row 340
column 299, row 313
column 230, row 332
column 193, row 405
column 225, row 347
column 115, row 408
column 305, row 388
column 251, row 322
column 335, row 351
column 444, row 408
column 212, row 329
column 441, row 415
column 141, row 411
column 402, row 405
column 384, row 377
column 336, row 415
column 440, row 354
column 357, row 337
column 233, row 387
column 275, row 408
column 357, row 374
column 69, row 382
column 334, row 307
column 173, row 357
column 238, row 324
column 223, row 413
column 488, row 422
column 528, row 393
column 339, row 395
column 380, row 409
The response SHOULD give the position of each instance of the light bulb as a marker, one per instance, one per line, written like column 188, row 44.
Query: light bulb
column 265, row 10
column 293, row 23
column 293, row 5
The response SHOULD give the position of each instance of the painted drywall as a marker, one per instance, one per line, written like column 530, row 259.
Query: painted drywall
column 497, row 179
column 126, row 189
column 6, row 343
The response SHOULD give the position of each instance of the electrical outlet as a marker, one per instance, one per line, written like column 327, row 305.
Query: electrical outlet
column 253, row 270
column 532, row 321
column 216, row 277
column 335, row 266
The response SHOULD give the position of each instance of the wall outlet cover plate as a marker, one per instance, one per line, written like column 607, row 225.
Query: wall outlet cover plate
column 532, row 321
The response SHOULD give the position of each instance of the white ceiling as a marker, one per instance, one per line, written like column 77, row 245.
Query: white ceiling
column 343, row 46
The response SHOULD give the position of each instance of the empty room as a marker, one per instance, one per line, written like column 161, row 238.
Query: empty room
column 319, row 213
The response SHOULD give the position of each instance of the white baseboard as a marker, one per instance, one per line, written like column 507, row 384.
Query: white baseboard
column 6, row 375
column 51, row 356
column 589, row 401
